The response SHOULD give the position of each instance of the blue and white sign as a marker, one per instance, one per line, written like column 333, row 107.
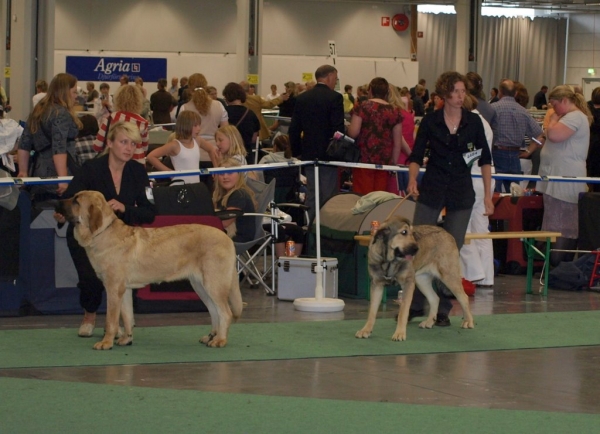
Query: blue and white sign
column 112, row 68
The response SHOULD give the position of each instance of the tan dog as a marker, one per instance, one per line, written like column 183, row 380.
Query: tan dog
column 126, row 257
column 408, row 255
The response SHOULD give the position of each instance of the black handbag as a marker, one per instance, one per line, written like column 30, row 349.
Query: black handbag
column 340, row 149
column 177, row 198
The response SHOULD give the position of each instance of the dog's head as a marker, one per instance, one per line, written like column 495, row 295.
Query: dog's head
column 89, row 212
column 394, row 240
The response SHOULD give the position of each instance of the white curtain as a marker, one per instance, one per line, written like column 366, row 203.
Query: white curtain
column 436, row 51
column 529, row 51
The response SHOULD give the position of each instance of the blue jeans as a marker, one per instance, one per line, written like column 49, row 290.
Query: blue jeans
column 506, row 162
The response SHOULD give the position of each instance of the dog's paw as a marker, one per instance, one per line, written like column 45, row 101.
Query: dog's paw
column 103, row 345
column 427, row 324
column 217, row 343
column 363, row 334
column 206, row 339
column 125, row 340
column 466, row 324
column 399, row 336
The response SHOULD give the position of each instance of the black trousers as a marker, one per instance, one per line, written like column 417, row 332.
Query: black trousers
column 90, row 286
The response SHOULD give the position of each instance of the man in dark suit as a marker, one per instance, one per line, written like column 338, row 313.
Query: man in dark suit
column 539, row 100
column 318, row 114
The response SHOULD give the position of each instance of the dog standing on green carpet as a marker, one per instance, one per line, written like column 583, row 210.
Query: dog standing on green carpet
column 413, row 255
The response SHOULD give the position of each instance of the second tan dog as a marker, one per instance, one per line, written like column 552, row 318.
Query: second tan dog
column 411, row 255
column 126, row 257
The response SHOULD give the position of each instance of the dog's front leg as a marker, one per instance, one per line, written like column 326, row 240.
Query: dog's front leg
column 127, row 314
column 376, row 296
column 424, row 282
column 408, row 290
column 114, row 294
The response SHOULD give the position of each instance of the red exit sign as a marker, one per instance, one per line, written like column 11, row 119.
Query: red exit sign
column 385, row 21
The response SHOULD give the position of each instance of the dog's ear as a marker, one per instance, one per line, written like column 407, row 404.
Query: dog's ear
column 382, row 234
column 416, row 235
column 94, row 218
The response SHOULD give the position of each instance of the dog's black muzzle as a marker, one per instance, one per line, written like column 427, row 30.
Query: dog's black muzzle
column 410, row 250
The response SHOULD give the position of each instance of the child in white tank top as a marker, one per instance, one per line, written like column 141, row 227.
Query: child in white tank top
column 182, row 147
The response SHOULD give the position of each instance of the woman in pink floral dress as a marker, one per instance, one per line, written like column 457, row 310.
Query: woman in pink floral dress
column 377, row 127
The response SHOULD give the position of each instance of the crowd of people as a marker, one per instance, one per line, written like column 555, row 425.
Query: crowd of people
column 461, row 133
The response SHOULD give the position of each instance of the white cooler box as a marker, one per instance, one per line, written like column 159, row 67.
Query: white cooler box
column 296, row 277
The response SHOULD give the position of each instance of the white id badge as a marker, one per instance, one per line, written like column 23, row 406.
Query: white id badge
column 471, row 157
column 150, row 195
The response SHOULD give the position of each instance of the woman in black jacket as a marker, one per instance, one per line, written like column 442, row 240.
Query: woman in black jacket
column 123, row 183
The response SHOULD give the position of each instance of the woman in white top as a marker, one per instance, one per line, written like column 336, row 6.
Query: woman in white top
column 212, row 112
column 183, row 150
column 477, row 258
column 564, row 154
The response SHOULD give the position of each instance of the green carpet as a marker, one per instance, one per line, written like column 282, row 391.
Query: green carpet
column 271, row 341
column 37, row 406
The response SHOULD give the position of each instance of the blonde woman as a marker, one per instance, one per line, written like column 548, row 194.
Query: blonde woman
column 123, row 184
column 564, row 154
column 51, row 130
column 128, row 103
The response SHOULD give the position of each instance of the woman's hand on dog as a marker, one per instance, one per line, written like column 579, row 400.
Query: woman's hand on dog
column 60, row 218
column 116, row 205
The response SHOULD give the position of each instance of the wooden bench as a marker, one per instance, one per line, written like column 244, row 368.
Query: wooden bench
column 528, row 237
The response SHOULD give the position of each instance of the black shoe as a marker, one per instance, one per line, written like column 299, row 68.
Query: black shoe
column 415, row 313
column 442, row 320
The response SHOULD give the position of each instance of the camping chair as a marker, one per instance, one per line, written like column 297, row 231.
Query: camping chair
column 287, row 194
column 265, row 193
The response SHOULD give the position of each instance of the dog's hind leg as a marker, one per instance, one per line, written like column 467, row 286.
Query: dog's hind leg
column 376, row 296
column 127, row 314
column 216, row 300
column 424, row 283
column 454, row 284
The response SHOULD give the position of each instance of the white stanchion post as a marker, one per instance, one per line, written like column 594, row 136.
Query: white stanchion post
column 319, row 303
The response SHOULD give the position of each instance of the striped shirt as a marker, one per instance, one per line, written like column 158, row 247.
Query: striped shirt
column 140, row 148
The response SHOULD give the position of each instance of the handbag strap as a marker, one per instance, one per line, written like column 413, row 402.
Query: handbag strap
column 242, row 118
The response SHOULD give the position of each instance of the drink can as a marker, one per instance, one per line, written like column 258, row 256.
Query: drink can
column 290, row 248
column 374, row 227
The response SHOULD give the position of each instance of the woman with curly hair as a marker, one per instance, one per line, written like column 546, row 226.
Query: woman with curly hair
column 455, row 139
column 128, row 103
column 51, row 130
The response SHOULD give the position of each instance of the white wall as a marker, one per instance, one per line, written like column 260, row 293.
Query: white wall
column 294, row 39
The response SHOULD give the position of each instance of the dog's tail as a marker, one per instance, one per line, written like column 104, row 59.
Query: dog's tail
column 235, row 297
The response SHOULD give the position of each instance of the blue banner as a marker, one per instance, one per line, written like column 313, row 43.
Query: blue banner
column 112, row 68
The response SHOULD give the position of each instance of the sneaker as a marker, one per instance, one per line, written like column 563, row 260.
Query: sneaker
column 442, row 320
column 86, row 329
